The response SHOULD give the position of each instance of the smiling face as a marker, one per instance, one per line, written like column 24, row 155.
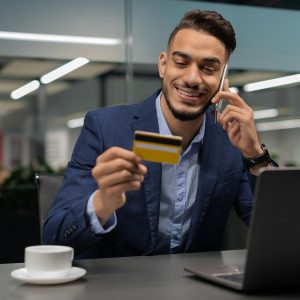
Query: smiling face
column 191, row 71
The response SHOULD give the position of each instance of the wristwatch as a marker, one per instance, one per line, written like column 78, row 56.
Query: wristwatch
column 253, row 161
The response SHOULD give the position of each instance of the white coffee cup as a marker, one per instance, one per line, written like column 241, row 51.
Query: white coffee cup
column 48, row 260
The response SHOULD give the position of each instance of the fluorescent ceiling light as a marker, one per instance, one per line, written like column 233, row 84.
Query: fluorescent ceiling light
column 266, row 113
column 74, row 123
column 277, row 125
column 266, row 84
column 64, row 69
column 25, row 89
column 55, row 38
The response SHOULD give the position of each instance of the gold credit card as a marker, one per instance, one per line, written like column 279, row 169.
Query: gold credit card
column 157, row 147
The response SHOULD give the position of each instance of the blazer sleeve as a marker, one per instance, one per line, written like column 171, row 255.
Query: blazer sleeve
column 67, row 223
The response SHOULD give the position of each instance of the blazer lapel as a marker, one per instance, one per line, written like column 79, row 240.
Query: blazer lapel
column 145, row 119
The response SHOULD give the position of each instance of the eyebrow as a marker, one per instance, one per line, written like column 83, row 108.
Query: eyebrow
column 181, row 54
column 211, row 60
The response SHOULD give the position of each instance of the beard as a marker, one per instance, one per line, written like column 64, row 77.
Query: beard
column 185, row 116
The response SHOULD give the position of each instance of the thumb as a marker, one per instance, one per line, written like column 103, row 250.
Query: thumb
column 226, row 85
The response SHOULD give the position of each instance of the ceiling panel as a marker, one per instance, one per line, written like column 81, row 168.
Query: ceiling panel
column 6, row 85
column 90, row 70
column 28, row 68
column 16, row 72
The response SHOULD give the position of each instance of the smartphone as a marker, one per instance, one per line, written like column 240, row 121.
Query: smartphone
column 221, row 87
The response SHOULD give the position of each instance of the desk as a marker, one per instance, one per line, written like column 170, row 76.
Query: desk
column 143, row 278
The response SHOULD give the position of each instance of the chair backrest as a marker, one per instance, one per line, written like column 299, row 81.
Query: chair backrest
column 48, row 186
column 235, row 234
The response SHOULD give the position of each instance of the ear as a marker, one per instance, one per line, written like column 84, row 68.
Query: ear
column 162, row 64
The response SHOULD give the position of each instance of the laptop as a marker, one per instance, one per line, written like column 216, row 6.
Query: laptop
column 272, row 257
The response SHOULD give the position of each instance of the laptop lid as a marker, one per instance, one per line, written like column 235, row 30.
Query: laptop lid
column 273, row 256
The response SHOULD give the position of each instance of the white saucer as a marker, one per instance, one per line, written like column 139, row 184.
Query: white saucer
column 73, row 274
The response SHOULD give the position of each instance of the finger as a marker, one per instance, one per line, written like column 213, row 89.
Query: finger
column 104, row 168
column 242, row 119
column 231, row 113
column 226, row 85
column 231, row 98
column 124, row 187
column 233, row 130
column 118, row 178
column 233, row 116
column 118, row 152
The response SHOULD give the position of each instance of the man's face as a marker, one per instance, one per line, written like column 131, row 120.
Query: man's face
column 191, row 70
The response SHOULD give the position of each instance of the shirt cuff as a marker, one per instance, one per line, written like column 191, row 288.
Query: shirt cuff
column 95, row 224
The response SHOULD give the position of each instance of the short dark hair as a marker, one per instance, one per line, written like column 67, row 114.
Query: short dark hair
column 209, row 21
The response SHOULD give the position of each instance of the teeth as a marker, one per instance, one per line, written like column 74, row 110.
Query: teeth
column 188, row 94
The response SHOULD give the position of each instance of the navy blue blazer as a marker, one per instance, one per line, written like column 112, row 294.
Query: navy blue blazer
column 223, row 183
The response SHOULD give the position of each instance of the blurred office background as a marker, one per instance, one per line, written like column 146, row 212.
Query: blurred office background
column 119, row 42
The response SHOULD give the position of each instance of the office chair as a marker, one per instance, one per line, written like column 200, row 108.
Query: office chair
column 48, row 186
column 235, row 234
column 236, row 231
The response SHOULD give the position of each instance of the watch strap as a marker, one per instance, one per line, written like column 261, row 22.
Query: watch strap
column 253, row 161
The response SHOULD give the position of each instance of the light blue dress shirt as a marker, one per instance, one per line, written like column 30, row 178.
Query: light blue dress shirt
column 95, row 224
column 178, row 193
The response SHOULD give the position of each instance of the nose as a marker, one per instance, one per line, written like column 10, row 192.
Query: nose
column 192, row 76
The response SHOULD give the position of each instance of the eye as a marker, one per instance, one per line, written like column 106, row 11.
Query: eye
column 209, row 69
column 180, row 62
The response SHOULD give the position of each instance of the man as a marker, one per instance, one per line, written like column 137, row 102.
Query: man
column 114, row 204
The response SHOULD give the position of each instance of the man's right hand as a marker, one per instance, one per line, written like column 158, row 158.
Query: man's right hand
column 117, row 171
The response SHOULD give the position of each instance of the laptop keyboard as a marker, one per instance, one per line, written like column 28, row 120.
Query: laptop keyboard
column 234, row 277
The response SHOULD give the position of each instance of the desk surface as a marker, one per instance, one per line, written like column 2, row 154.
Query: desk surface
column 147, row 277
